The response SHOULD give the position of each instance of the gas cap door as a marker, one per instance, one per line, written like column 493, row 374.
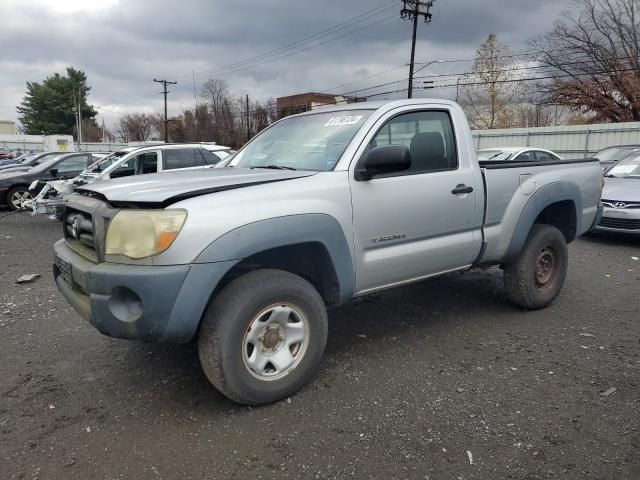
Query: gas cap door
column 527, row 184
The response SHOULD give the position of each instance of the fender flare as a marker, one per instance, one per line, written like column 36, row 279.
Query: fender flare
column 541, row 199
column 262, row 235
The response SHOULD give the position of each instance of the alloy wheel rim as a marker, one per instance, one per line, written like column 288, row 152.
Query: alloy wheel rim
column 19, row 198
column 275, row 341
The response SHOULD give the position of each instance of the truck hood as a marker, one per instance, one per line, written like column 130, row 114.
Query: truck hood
column 163, row 189
column 621, row 189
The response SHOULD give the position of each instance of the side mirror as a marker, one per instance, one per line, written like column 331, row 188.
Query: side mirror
column 53, row 172
column 383, row 160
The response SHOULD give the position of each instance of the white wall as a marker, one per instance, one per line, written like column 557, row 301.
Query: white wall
column 40, row 143
column 570, row 141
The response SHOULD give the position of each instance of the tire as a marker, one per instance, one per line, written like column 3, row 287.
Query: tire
column 16, row 195
column 232, row 352
column 535, row 278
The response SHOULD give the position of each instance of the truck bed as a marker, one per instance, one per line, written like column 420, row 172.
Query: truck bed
column 512, row 186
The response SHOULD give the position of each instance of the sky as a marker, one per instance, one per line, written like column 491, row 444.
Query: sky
column 265, row 48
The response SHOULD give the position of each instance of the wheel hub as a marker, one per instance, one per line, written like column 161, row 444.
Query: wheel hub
column 545, row 266
column 273, row 334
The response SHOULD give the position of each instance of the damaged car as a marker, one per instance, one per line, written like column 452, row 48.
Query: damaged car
column 50, row 197
column 19, row 186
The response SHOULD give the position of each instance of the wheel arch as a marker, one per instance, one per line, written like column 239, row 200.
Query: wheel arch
column 556, row 204
column 313, row 246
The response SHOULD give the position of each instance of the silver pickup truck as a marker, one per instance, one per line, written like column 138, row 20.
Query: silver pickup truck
column 316, row 210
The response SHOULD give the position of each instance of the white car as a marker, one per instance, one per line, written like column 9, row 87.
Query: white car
column 127, row 162
column 517, row 154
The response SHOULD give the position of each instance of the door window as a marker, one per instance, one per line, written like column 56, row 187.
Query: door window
column 210, row 158
column 125, row 169
column 544, row 156
column 525, row 157
column 148, row 162
column 181, row 158
column 429, row 137
column 74, row 164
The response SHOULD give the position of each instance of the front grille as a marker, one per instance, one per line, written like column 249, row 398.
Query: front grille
column 620, row 223
column 65, row 270
column 619, row 204
column 79, row 231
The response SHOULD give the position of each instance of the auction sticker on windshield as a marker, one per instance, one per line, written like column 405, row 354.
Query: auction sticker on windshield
column 340, row 121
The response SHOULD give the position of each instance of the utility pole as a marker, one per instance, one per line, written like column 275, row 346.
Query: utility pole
column 411, row 9
column 247, row 114
column 196, row 127
column 79, row 119
column 166, row 120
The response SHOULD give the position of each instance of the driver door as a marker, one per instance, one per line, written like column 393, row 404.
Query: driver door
column 412, row 224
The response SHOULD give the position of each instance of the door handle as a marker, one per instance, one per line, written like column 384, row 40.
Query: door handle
column 461, row 188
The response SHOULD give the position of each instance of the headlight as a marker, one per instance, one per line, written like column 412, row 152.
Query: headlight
column 143, row 233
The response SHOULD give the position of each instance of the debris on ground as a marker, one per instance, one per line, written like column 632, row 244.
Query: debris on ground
column 470, row 455
column 635, row 258
column 609, row 391
column 587, row 335
column 30, row 278
column 361, row 335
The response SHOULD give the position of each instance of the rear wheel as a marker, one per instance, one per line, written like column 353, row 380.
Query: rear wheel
column 263, row 336
column 535, row 278
column 17, row 197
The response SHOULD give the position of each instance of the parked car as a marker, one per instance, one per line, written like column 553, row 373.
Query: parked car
column 53, row 195
column 517, row 154
column 315, row 210
column 610, row 155
column 6, row 154
column 14, row 183
column 16, row 158
column 26, row 161
column 621, row 197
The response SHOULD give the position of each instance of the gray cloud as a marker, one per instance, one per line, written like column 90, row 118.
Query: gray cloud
column 124, row 46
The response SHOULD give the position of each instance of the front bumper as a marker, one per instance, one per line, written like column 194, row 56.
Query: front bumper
column 620, row 220
column 137, row 302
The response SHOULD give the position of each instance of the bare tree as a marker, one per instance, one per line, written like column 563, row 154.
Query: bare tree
column 135, row 127
column 492, row 88
column 597, row 53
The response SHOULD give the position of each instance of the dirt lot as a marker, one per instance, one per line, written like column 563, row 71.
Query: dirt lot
column 442, row 379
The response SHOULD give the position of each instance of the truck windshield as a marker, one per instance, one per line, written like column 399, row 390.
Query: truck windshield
column 628, row 168
column 309, row 142
column 106, row 162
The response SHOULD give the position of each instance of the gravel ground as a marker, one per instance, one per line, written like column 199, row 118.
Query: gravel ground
column 438, row 380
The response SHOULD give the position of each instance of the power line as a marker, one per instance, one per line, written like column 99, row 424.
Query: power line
column 292, row 48
column 548, row 77
column 268, row 56
column 297, row 52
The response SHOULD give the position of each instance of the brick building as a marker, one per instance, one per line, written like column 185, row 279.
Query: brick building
column 304, row 102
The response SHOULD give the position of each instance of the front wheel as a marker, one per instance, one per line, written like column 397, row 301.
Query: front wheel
column 263, row 336
column 17, row 197
column 535, row 278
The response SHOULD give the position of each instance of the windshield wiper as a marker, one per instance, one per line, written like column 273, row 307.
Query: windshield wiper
column 275, row 167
